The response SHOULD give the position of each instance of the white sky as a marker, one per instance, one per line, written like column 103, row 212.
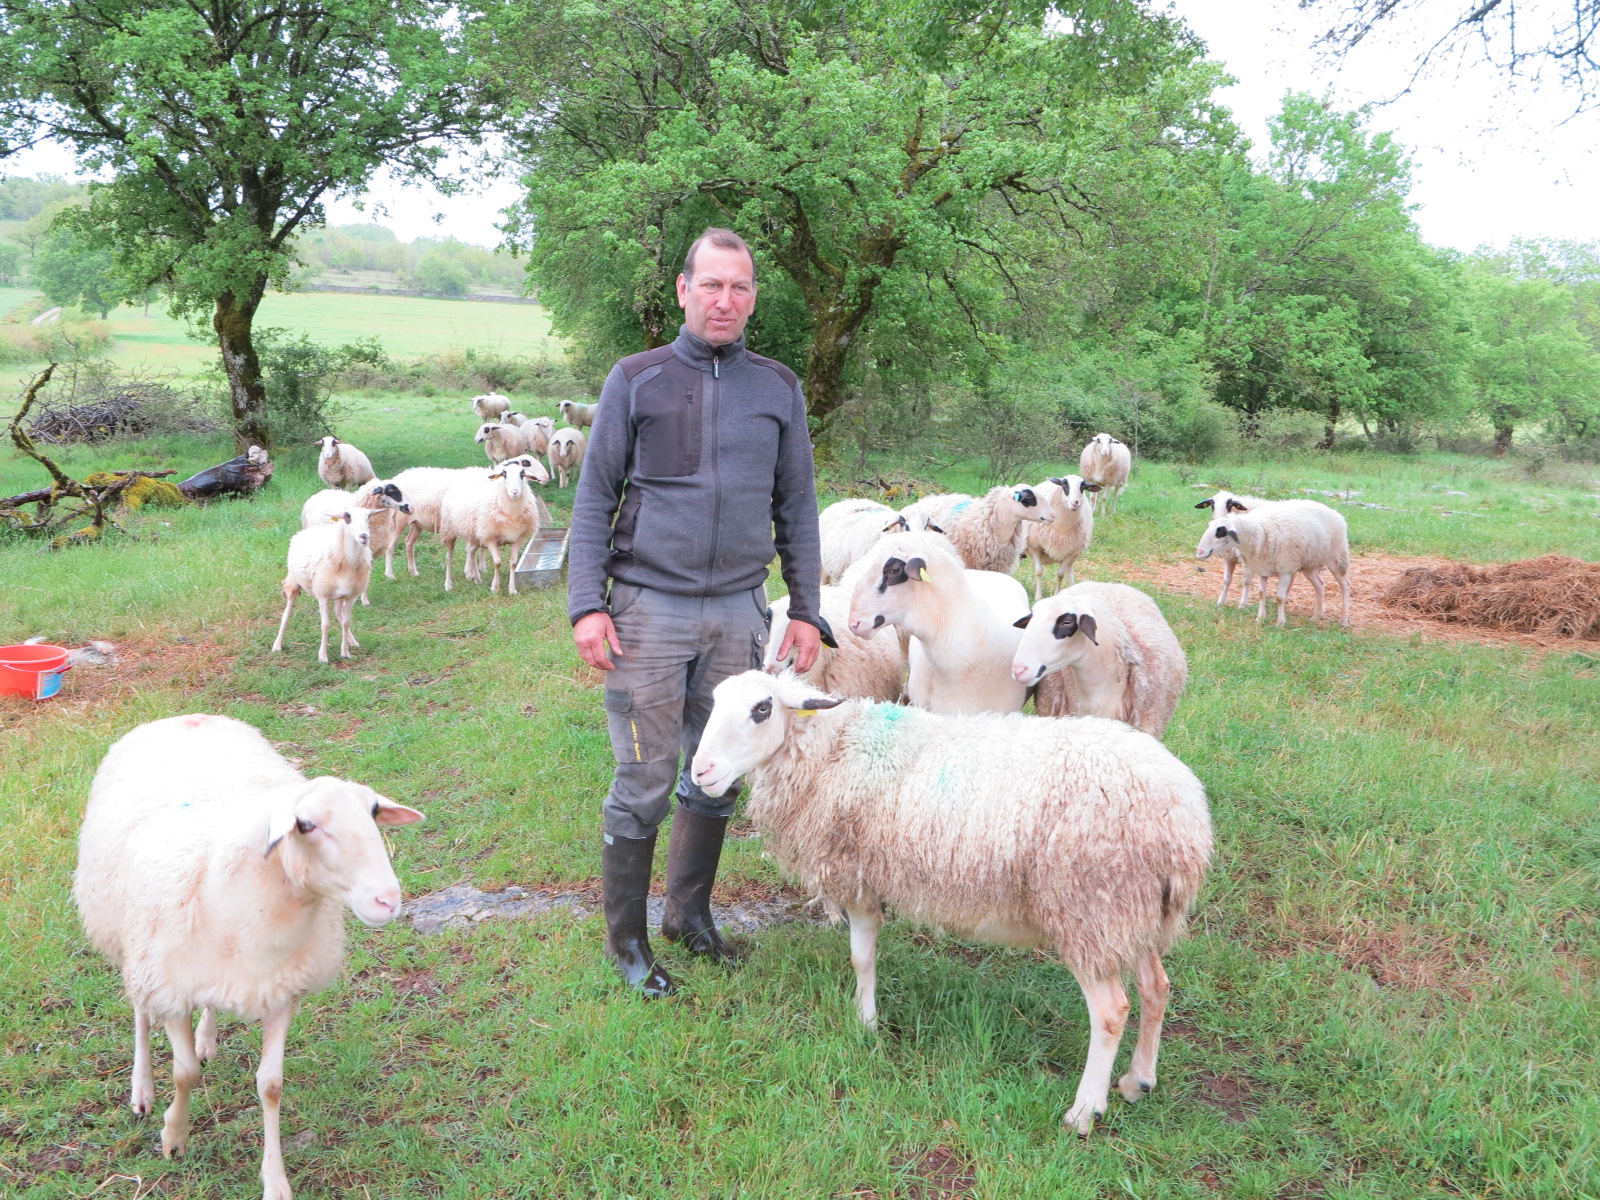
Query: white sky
column 1486, row 169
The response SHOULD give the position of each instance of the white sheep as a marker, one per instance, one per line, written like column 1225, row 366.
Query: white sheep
column 933, row 512
column 849, row 529
column 847, row 665
column 390, row 514
column 1106, row 461
column 579, row 416
column 1224, row 504
column 1117, row 654
column 341, row 465
column 539, row 431
column 1077, row 834
column 215, row 876
column 491, row 406
column 488, row 513
column 1282, row 538
column 500, row 441
column 960, row 623
column 566, row 454
column 333, row 562
column 987, row 531
column 424, row 488
column 1063, row 538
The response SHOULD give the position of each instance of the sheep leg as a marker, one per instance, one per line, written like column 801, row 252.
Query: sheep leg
column 1317, row 589
column 185, row 1074
column 289, row 593
column 1067, row 569
column 511, row 568
column 1284, row 581
column 269, row 1086
column 1038, row 576
column 413, row 532
column 864, row 927
column 205, row 1038
column 1108, row 1015
column 494, row 582
column 143, row 1097
column 1227, row 580
column 1344, row 596
column 1153, row 992
column 344, row 609
column 388, row 558
column 322, row 615
column 449, row 559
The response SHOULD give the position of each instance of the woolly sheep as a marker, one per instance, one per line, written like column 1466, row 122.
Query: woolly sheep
column 933, row 512
column 1224, row 504
column 1106, row 461
column 850, row 528
column 960, row 623
column 390, row 514
column 579, row 416
column 501, row 442
column 987, row 532
column 566, row 454
column 333, row 562
column 1119, row 657
column 215, row 876
column 341, row 465
column 1285, row 537
column 424, row 488
column 491, row 405
column 1091, row 839
column 1063, row 538
column 847, row 665
column 487, row 514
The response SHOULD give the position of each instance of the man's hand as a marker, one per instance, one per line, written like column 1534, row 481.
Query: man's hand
column 594, row 632
column 805, row 640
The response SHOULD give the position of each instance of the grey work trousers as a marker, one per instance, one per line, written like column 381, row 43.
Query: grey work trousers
column 675, row 649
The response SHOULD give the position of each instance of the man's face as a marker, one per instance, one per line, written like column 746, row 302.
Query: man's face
column 719, row 299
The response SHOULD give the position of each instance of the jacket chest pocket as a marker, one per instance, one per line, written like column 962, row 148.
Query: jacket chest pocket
column 666, row 416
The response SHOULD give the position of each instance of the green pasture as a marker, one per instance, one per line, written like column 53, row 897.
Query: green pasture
column 1388, row 992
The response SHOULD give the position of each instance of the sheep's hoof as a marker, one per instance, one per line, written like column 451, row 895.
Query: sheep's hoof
column 1133, row 1090
column 143, row 1098
column 276, row 1189
column 1081, row 1117
column 174, row 1142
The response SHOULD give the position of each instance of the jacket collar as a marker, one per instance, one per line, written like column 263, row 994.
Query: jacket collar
column 698, row 352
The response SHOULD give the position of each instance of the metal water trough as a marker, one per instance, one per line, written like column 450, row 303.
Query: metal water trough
column 541, row 565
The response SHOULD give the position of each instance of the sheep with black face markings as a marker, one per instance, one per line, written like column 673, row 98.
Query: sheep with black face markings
column 333, row 562
column 1093, row 840
column 987, row 531
column 1284, row 538
column 341, row 465
column 1224, row 504
column 848, row 529
column 1106, row 461
column 576, row 414
column 390, row 514
column 491, row 406
column 1067, row 534
column 847, row 665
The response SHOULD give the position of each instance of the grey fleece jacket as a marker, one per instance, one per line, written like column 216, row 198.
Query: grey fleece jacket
column 698, row 470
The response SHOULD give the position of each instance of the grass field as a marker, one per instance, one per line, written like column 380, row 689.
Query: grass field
column 1388, row 991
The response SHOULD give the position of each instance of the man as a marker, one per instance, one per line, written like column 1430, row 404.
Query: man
column 698, row 468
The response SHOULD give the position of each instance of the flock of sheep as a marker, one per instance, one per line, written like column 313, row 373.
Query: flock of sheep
column 898, row 773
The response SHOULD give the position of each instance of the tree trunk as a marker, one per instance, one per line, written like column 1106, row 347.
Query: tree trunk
column 1502, row 440
column 1330, row 428
column 825, row 370
column 233, row 319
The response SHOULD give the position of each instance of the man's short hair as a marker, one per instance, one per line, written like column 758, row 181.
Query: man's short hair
column 722, row 239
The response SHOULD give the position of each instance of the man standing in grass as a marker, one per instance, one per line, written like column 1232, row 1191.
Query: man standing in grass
column 698, row 470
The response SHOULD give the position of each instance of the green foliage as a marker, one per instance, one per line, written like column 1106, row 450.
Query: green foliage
column 301, row 376
column 72, row 268
column 22, row 199
column 346, row 248
column 10, row 263
column 441, row 276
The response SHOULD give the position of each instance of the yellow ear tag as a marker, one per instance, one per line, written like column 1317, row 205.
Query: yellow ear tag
column 922, row 574
column 805, row 712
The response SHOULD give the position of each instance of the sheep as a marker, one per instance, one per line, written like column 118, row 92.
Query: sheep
column 333, row 562
column 491, row 406
column 959, row 621
column 390, row 514
column 1282, row 538
column 1084, row 835
column 849, row 529
column 1106, row 461
column 1116, row 651
column 215, row 876
column 501, row 442
column 566, row 454
column 487, row 514
column 987, row 532
column 424, row 488
column 341, row 465
column 579, row 416
column 1224, row 504
column 847, row 665
column 539, row 431
column 932, row 512
column 1066, row 535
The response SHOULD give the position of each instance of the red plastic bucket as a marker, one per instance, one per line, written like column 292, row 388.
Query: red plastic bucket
column 32, row 671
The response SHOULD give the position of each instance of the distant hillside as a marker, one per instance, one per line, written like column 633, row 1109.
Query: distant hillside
column 366, row 258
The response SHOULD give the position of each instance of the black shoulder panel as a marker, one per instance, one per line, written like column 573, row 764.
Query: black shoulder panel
column 773, row 364
column 636, row 363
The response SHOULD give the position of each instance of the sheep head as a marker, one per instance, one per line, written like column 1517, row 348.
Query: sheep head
column 1056, row 634
column 751, row 715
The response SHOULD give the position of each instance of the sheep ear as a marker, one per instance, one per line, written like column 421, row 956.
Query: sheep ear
column 917, row 569
column 279, row 824
column 932, row 528
column 1091, row 487
column 899, row 523
column 1022, row 621
column 1206, row 503
column 1060, row 483
column 498, row 475
column 826, row 631
column 1233, row 505
column 387, row 812
column 816, row 704
column 1086, row 627
column 1232, row 534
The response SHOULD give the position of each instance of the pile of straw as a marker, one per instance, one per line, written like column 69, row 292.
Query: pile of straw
column 1551, row 595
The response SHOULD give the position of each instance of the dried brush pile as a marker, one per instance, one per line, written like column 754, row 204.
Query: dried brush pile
column 1551, row 595
column 101, row 405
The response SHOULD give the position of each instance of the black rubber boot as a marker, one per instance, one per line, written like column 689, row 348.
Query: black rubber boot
column 692, row 857
column 625, row 874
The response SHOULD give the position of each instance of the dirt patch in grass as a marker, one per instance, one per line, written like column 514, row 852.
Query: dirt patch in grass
column 1229, row 1093
column 939, row 1173
column 1404, row 956
column 1552, row 595
column 1371, row 576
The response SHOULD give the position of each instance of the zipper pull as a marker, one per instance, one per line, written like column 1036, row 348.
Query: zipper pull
column 716, row 365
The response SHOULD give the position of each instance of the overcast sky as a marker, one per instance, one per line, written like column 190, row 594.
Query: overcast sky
column 1486, row 168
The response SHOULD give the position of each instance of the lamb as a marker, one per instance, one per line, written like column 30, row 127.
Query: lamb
column 491, row 405
column 579, row 416
column 390, row 514
column 1090, row 838
column 566, row 454
column 1066, row 535
column 501, row 441
column 1106, row 461
column 488, row 513
column 987, row 532
column 847, row 665
column 1116, row 651
column 960, row 623
column 1224, row 504
column 333, row 562
column 539, row 431
column 424, row 488
column 215, row 876
column 341, row 465
column 849, row 529
column 1282, row 538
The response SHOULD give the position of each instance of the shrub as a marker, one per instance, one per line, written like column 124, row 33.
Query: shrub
column 300, row 377
column 441, row 276
column 89, row 401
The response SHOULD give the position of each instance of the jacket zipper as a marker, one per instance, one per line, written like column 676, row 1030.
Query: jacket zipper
column 716, row 477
